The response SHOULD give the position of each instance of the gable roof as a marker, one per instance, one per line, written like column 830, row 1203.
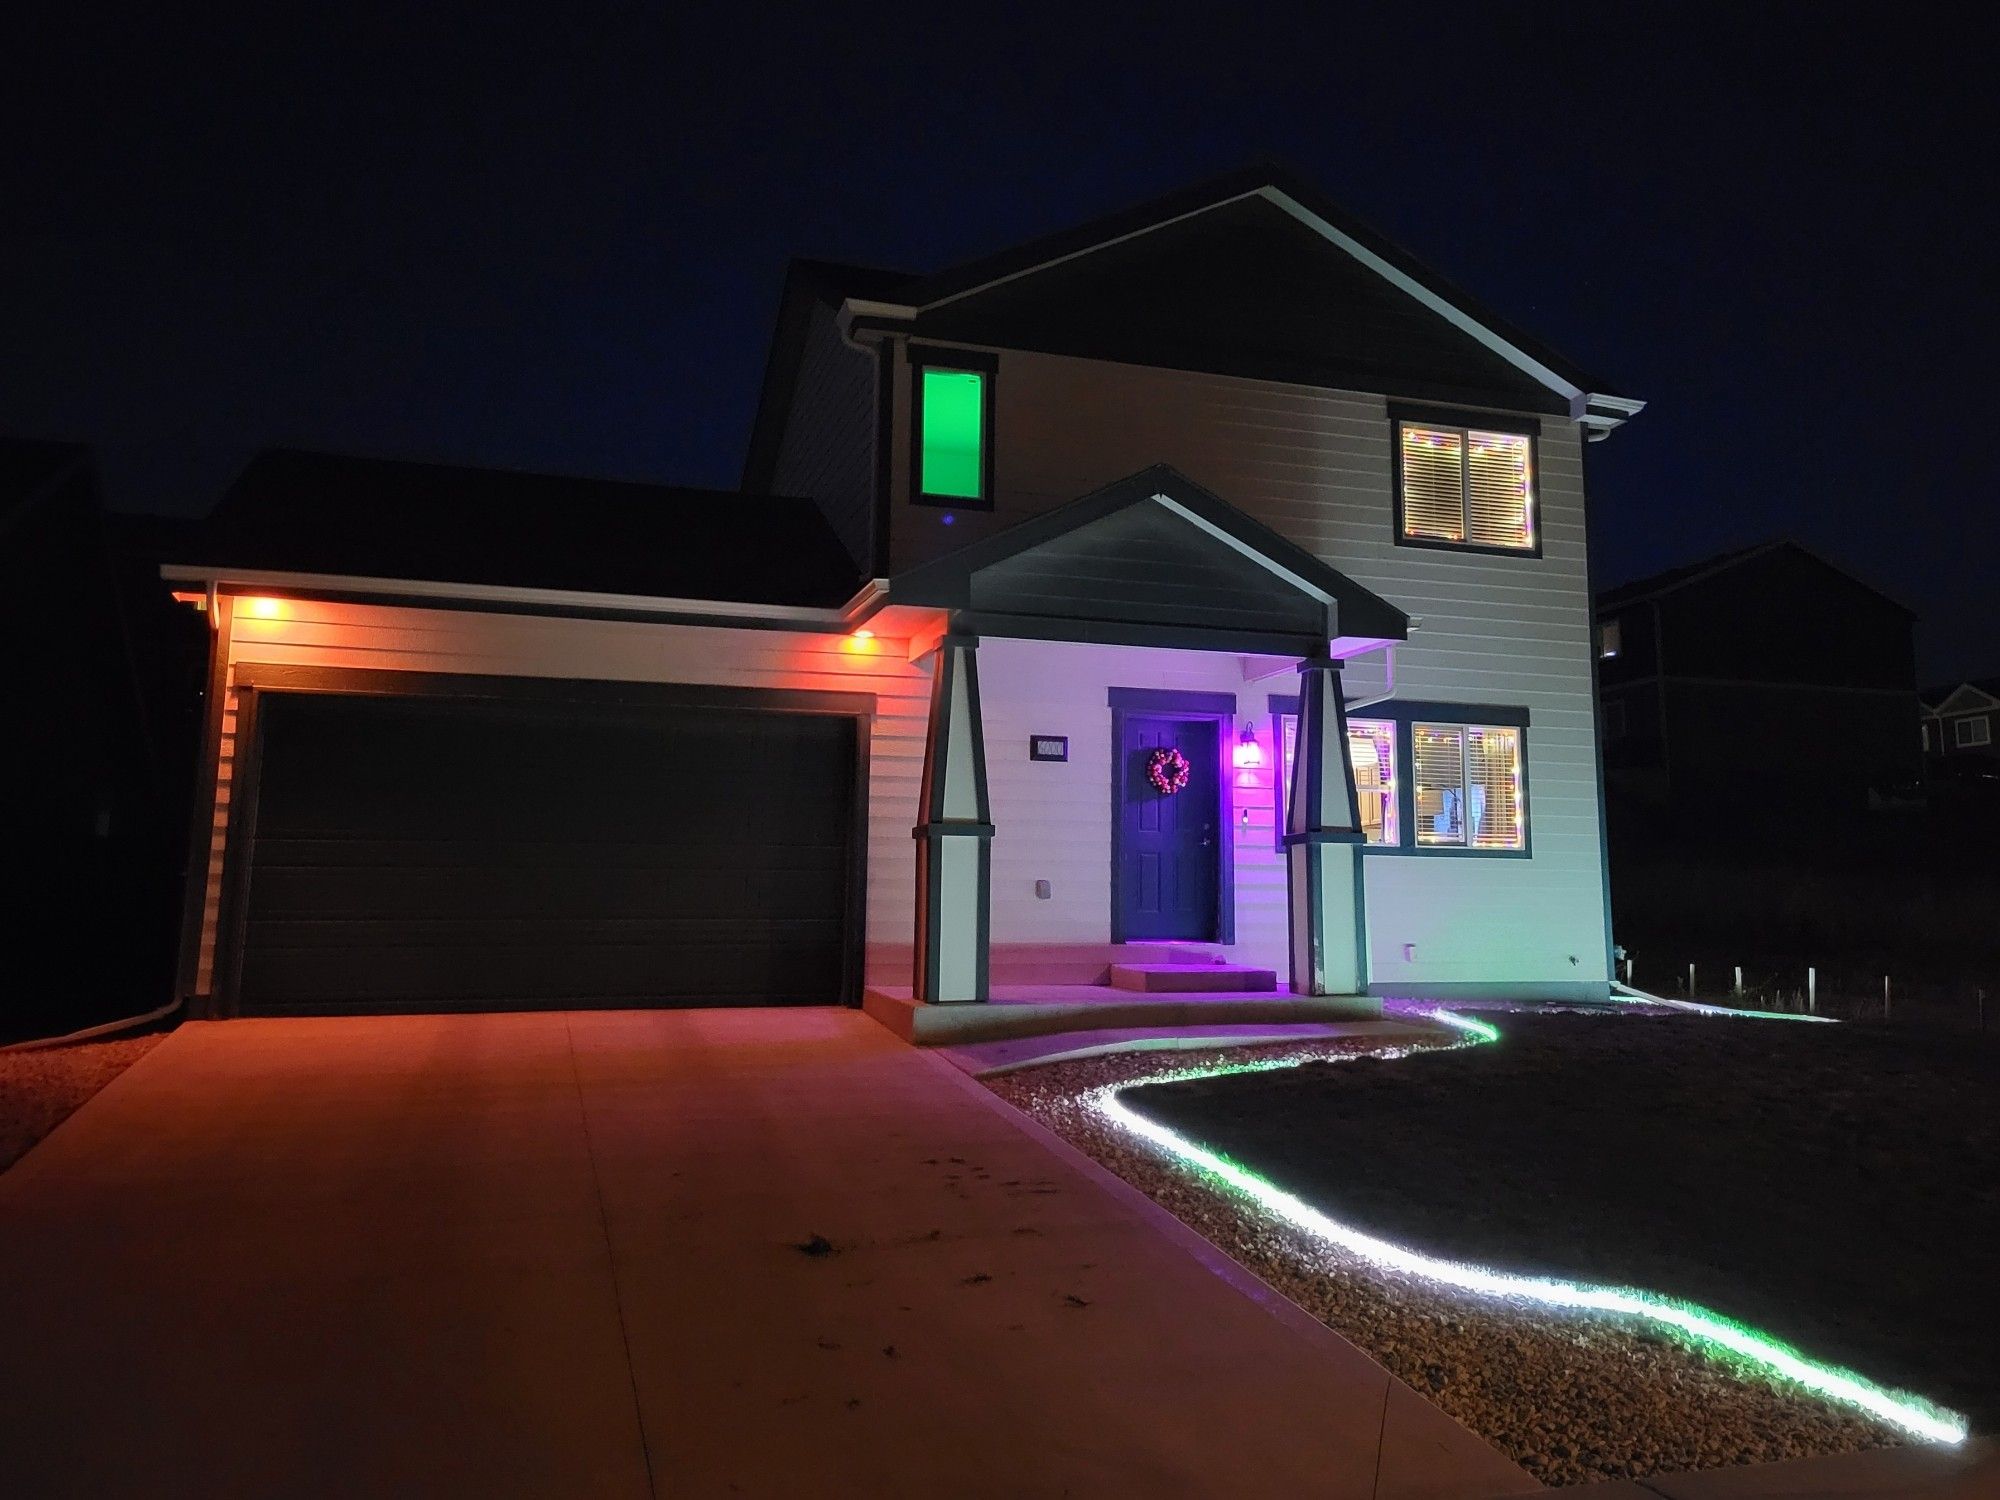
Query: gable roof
column 1151, row 559
column 1657, row 585
column 1980, row 694
column 333, row 515
column 1254, row 273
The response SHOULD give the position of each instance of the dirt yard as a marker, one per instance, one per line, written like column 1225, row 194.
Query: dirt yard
column 42, row 1088
column 1836, row 1186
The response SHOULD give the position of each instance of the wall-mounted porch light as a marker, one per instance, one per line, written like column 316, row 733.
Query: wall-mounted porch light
column 1249, row 754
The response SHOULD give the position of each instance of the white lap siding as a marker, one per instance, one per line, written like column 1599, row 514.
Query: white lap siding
column 1315, row 466
column 312, row 634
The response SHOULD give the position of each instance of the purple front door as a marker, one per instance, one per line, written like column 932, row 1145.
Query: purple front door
column 1168, row 845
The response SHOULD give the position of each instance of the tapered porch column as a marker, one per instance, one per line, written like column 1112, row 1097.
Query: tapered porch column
column 954, row 848
column 1323, row 841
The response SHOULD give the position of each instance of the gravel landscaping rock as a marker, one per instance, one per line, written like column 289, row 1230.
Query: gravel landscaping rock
column 1570, row 1398
column 39, row 1089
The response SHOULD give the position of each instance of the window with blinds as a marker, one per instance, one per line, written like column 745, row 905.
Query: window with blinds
column 1371, row 750
column 1467, row 486
column 1467, row 784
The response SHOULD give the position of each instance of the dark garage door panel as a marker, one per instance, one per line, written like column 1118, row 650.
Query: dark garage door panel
column 424, row 854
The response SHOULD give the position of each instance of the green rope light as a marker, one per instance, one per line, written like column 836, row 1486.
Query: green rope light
column 1711, row 1331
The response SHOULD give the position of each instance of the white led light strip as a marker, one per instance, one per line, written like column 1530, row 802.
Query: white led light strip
column 1911, row 1414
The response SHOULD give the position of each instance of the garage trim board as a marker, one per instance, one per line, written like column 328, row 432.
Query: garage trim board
column 256, row 684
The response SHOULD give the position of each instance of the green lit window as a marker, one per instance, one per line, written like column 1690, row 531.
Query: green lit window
column 953, row 429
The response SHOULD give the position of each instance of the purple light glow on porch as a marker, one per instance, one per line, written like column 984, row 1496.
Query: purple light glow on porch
column 1249, row 754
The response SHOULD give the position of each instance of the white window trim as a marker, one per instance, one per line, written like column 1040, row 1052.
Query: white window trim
column 1963, row 738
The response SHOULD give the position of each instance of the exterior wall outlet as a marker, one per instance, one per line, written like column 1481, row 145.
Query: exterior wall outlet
column 1409, row 953
column 1043, row 890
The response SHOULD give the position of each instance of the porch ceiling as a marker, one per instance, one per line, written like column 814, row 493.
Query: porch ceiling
column 1156, row 560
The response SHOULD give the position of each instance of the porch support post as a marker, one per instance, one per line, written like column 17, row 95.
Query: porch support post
column 954, row 836
column 1323, row 838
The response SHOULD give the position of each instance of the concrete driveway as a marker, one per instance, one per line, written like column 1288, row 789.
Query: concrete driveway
column 558, row 1255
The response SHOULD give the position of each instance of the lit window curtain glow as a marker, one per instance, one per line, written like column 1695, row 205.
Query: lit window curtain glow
column 1438, row 754
column 1371, row 747
column 1499, row 491
column 1434, row 483
column 954, row 422
column 1494, row 815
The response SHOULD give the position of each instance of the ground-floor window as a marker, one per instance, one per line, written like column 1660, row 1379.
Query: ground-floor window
column 1973, row 731
column 1424, row 782
column 1371, row 748
column 1468, row 788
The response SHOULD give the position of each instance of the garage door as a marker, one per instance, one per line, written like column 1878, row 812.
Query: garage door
column 410, row 853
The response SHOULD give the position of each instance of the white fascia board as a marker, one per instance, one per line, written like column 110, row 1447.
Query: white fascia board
column 1978, row 700
column 1449, row 311
column 1594, row 410
column 1311, row 590
column 864, row 603
column 1078, row 254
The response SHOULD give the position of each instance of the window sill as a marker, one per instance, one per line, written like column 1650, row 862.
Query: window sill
column 1477, row 549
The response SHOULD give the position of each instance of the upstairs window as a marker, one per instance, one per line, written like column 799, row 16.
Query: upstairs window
column 1465, row 486
column 952, row 421
column 1610, row 639
column 1467, row 781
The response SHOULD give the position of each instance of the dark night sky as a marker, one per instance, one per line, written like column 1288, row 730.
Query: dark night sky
column 553, row 237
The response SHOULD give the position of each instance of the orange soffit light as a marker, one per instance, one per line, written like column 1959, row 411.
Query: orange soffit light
column 264, row 609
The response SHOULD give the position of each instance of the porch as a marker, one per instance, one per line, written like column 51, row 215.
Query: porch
column 1103, row 739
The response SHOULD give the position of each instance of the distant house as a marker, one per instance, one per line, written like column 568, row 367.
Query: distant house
column 103, row 681
column 1762, row 687
column 1962, row 718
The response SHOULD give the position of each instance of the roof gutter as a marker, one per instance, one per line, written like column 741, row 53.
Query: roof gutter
column 508, row 598
column 1601, row 415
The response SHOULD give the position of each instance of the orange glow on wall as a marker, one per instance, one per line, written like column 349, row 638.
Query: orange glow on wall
column 262, row 608
column 860, row 641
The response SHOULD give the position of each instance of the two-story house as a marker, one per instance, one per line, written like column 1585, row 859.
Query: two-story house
column 1210, row 575
column 1761, row 691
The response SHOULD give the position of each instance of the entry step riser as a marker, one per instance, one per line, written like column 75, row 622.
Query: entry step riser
column 1184, row 979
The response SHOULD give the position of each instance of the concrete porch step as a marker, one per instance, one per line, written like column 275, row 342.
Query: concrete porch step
column 1043, row 1010
column 1182, row 979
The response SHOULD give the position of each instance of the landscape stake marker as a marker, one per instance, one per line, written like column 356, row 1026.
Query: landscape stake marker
column 1709, row 1330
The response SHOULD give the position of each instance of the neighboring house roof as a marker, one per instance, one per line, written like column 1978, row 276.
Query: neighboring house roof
column 1655, row 585
column 333, row 515
column 1255, row 273
column 1975, row 695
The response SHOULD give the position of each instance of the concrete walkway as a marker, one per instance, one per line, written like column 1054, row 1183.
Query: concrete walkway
column 559, row 1255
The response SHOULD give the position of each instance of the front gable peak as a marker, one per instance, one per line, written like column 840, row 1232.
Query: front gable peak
column 1153, row 559
column 1258, row 275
